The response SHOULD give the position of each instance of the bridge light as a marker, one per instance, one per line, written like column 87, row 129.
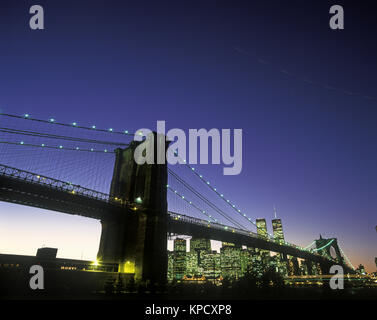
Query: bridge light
column 77, row 148
column 52, row 120
column 111, row 129
column 192, row 168
column 138, row 200
column 21, row 142
column 26, row 115
column 93, row 127
column 207, row 182
column 74, row 124
column 126, row 131
column 221, row 195
column 92, row 150
column 214, row 189
column 105, row 150
column 60, row 147
column 42, row 145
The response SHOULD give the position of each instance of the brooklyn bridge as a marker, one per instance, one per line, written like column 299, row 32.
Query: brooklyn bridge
column 91, row 172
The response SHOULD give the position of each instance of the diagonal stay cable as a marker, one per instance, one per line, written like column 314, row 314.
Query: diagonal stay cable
column 192, row 204
column 208, row 202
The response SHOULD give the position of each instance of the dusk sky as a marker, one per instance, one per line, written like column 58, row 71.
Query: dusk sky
column 304, row 95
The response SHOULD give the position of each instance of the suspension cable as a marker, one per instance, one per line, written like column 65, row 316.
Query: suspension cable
column 348, row 260
column 59, row 137
column 191, row 204
column 60, row 147
column 74, row 124
column 208, row 202
column 326, row 245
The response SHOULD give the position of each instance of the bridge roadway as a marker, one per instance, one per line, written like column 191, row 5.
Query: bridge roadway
column 30, row 189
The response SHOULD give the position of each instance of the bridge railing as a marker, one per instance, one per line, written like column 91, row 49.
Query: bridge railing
column 35, row 178
column 30, row 177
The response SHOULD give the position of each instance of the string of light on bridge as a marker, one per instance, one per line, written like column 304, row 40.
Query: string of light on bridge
column 27, row 116
column 204, row 199
column 59, row 137
column 323, row 247
column 191, row 203
column 59, row 147
column 208, row 184
column 230, row 203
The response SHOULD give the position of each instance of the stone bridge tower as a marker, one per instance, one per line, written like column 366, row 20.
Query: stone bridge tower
column 331, row 251
column 137, row 238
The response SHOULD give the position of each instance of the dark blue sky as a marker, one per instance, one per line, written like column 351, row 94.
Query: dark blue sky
column 308, row 149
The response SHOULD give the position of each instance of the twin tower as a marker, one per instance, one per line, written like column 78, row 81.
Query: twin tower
column 136, row 236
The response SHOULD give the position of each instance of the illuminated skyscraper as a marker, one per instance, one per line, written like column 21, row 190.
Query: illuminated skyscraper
column 200, row 244
column 261, row 227
column 277, row 228
column 192, row 267
column 248, row 258
column 179, row 258
column 230, row 260
column 211, row 265
column 170, row 274
column 262, row 233
column 179, row 245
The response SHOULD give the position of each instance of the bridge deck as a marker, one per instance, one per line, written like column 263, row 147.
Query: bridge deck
column 30, row 189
